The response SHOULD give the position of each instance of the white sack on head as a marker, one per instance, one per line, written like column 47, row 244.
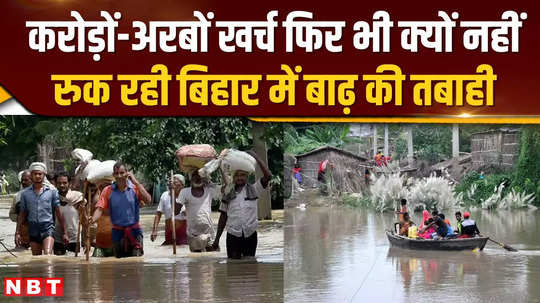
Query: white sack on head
column 82, row 155
column 89, row 167
column 229, row 160
column 103, row 170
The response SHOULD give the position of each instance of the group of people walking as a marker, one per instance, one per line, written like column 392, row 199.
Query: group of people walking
column 50, row 216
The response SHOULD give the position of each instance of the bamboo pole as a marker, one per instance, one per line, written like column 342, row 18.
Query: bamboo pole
column 88, row 210
column 78, row 236
column 173, row 202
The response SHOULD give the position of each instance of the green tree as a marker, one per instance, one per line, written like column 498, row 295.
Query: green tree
column 310, row 137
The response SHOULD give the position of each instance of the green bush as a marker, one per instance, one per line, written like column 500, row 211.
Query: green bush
column 476, row 188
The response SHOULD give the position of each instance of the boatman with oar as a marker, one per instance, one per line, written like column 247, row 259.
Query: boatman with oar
column 123, row 199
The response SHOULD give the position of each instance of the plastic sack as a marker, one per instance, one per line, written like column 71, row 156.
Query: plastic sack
column 229, row 160
column 235, row 160
column 195, row 156
column 103, row 170
column 82, row 155
column 87, row 168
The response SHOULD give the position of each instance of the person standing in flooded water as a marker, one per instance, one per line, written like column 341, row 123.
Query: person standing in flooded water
column 239, row 213
column 39, row 206
column 164, row 207
column 25, row 181
column 123, row 199
column 197, row 202
column 71, row 206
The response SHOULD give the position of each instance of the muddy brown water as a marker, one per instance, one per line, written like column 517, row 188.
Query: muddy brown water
column 157, row 276
column 342, row 255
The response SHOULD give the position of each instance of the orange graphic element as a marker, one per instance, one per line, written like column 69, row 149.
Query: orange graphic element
column 4, row 95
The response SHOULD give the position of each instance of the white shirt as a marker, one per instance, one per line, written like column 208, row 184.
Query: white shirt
column 164, row 206
column 242, row 213
column 198, row 210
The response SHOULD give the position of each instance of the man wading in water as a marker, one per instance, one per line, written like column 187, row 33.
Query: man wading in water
column 239, row 213
column 197, row 201
column 39, row 206
column 123, row 199
column 25, row 179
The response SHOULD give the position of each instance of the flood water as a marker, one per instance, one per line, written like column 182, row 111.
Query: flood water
column 158, row 276
column 342, row 255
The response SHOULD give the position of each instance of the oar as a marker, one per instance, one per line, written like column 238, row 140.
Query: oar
column 505, row 246
column 173, row 202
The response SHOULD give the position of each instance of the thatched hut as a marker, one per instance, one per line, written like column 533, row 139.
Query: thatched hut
column 347, row 172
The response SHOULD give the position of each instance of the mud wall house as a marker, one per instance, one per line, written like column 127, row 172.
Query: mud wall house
column 348, row 171
column 498, row 148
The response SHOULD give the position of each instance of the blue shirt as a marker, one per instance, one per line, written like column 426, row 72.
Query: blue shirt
column 40, row 208
column 124, row 205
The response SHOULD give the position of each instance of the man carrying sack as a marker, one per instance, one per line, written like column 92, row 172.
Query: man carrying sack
column 239, row 213
column 197, row 201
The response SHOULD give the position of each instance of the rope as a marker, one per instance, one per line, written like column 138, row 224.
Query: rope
column 367, row 275
column 1, row 242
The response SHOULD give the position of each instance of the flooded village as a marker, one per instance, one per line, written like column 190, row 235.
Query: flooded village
column 336, row 243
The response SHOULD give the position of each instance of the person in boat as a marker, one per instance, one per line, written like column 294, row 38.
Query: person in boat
column 434, row 213
column 405, row 224
column 441, row 228
column 444, row 219
column 468, row 227
column 427, row 230
column 403, row 209
column 459, row 220
column 425, row 222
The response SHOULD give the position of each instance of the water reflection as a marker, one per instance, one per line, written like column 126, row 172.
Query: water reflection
column 158, row 276
column 201, row 281
column 342, row 255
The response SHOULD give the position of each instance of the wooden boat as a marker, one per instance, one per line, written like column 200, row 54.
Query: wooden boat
column 443, row 244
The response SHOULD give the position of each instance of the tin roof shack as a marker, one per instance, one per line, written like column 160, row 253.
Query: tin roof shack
column 347, row 173
column 498, row 148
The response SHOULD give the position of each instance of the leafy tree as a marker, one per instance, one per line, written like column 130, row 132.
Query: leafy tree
column 147, row 144
column 310, row 137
